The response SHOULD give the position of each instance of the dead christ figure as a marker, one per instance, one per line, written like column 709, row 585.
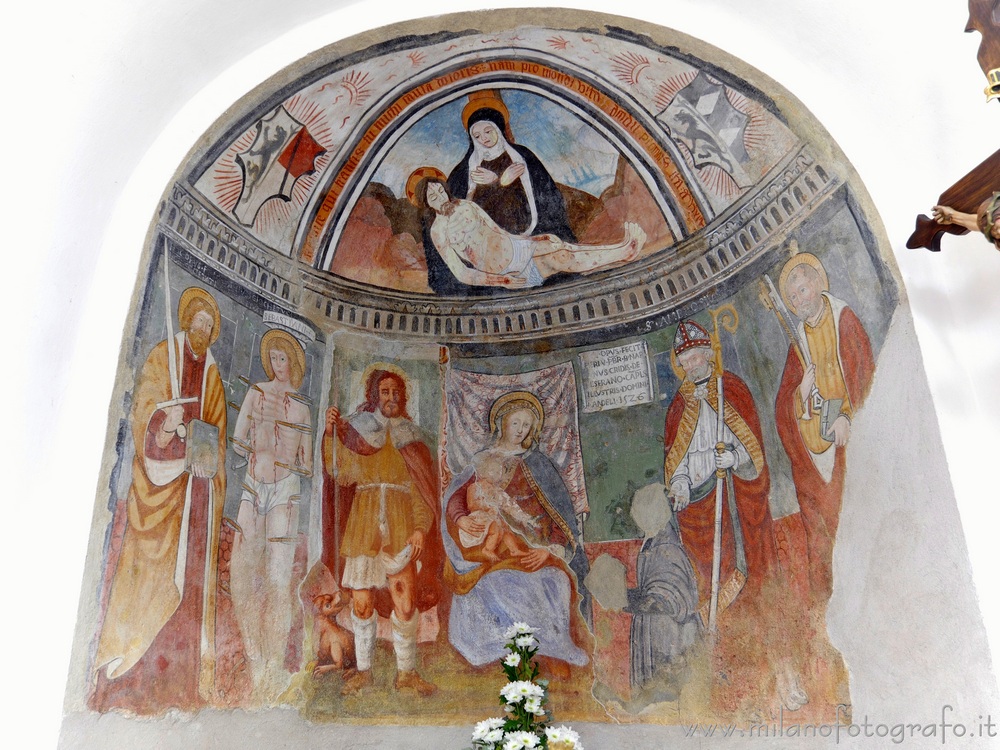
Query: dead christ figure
column 480, row 253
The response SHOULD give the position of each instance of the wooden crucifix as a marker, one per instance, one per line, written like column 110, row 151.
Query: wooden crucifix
column 969, row 193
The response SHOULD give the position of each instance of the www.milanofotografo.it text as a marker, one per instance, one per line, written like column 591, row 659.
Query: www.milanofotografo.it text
column 944, row 729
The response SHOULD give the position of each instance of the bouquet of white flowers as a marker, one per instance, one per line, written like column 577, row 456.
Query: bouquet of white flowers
column 523, row 698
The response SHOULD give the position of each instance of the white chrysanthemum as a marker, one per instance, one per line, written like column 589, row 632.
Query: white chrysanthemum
column 525, row 641
column 534, row 706
column 484, row 727
column 494, row 737
column 518, row 628
column 563, row 738
column 512, row 660
column 520, row 740
column 515, row 692
column 509, row 693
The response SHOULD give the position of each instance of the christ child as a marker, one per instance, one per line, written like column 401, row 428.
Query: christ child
column 490, row 505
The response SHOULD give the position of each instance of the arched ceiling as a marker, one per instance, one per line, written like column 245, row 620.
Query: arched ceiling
column 303, row 193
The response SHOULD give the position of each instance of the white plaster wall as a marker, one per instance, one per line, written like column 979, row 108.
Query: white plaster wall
column 104, row 99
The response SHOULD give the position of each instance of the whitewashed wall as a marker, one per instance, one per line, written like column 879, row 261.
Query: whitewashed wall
column 105, row 98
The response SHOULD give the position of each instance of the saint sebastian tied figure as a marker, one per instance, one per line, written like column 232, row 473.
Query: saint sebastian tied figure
column 273, row 433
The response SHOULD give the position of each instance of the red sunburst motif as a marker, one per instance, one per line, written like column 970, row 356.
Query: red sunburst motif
column 417, row 58
column 557, row 42
column 311, row 115
column 272, row 215
column 358, row 86
column 628, row 65
column 720, row 182
column 755, row 136
column 667, row 90
column 228, row 177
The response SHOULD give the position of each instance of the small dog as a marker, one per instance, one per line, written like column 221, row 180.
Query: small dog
column 334, row 645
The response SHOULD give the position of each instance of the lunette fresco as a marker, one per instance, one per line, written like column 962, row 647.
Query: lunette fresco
column 474, row 328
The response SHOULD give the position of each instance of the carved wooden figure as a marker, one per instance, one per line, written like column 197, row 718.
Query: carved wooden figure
column 968, row 194
column 965, row 196
column 984, row 17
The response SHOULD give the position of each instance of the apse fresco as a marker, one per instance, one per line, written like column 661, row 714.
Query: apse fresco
column 569, row 326
column 594, row 129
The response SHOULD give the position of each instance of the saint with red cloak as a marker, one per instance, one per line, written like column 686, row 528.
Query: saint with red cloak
column 157, row 644
column 833, row 354
column 748, row 642
column 381, row 517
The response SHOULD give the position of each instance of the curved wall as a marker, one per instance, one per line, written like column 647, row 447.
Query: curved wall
column 564, row 342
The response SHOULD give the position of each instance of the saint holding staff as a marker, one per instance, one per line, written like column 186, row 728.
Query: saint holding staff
column 828, row 372
column 719, row 485
column 383, row 523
